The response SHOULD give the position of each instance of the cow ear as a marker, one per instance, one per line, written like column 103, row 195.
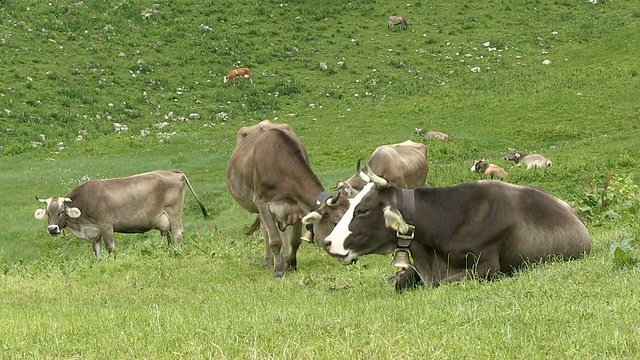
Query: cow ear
column 394, row 220
column 74, row 212
column 40, row 214
column 311, row 218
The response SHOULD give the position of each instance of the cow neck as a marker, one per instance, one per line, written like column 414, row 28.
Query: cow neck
column 408, row 208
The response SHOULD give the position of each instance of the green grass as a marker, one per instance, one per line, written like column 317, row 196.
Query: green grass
column 70, row 70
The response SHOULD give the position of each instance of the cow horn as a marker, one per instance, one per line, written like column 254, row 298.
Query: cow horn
column 361, row 173
column 338, row 186
column 42, row 201
column 333, row 201
column 380, row 182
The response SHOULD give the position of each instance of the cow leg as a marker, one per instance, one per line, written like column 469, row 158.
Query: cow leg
column 409, row 279
column 295, row 231
column 97, row 249
column 275, row 240
column 107, row 235
column 268, row 256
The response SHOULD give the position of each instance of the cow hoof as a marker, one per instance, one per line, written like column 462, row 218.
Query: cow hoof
column 279, row 271
column 292, row 265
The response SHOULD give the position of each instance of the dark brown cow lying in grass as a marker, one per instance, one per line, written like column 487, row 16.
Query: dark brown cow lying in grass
column 477, row 229
column 136, row 204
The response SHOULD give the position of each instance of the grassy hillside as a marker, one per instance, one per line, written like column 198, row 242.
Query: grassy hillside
column 554, row 77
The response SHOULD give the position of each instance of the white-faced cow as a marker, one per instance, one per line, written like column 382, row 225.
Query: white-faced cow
column 486, row 169
column 269, row 174
column 529, row 160
column 405, row 165
column 396, row 20
column 477, row 229
column 136, row 204
column 235, row 74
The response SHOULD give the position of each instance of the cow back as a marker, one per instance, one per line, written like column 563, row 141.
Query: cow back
column 270, row 165
column 405, row 165
column 130, row 204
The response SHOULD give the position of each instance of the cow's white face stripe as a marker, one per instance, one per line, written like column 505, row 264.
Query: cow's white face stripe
column 341, row 231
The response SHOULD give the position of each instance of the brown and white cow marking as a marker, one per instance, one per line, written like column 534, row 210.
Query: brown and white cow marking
column 235, row 74
column 491, row 170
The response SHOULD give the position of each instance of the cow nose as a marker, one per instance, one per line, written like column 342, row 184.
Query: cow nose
column 327, row 245
column 53, row 229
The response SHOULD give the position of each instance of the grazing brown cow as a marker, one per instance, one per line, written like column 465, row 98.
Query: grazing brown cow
column 269, row 174
column 234, row 74
column 396, row 20
column 486, row 169
column 476, row 229
column 134, row 204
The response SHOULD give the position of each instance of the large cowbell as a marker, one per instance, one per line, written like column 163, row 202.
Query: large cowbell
column 401, row 259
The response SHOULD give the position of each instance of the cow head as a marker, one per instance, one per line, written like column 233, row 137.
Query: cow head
column 370, row 223
column 514, row 155
column 327, row 215
column 478, row 165
column 57, row 211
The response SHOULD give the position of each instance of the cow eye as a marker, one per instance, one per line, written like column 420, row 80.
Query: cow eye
column 359, row 212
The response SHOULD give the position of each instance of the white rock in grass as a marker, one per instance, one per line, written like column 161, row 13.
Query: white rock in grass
column 546, row 62
column 120, row 127
column 475, row 69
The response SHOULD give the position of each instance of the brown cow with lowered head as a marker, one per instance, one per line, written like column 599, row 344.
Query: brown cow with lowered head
column 269, row 174
column 234, row 74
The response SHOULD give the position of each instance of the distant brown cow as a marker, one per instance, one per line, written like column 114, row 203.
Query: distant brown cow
column 234, row 74
column 432, row 135
column 529, row 160
column 396, row 20
column 487, row 169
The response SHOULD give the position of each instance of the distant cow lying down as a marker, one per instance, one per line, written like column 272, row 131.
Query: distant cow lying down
column 432, row 135
column 234, row 74
column 487, row 169
column 529, row 160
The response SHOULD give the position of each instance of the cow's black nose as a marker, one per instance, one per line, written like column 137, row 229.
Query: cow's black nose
column 327, row 245
column 53, row 229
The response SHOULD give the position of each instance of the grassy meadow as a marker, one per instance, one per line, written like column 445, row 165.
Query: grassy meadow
column 556, row 77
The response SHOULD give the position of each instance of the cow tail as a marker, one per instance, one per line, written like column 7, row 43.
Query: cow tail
column 255, row 226
column 202, row 208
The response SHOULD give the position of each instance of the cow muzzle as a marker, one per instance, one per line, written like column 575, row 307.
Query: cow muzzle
column 54, row 230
